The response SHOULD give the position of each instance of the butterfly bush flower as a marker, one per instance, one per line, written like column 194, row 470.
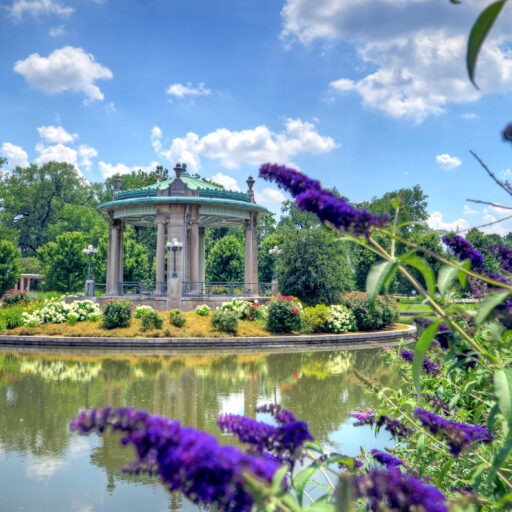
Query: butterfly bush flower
column 393, row 490
column 459, row 436
column 283, row 442
column 443, row 335
column 311, row 197
column 368, row 417
column 437, row 403
column 504, row 254
column 187, row 460
column 464, row 250
column 386, row 459
column 428, row 365
column 282, row 416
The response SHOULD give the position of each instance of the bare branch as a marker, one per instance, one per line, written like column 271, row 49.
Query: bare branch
column 485, row 225
column 505, row 185
column 490, row 204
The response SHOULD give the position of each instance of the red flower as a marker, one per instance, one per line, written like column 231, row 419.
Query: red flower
column 295, row 311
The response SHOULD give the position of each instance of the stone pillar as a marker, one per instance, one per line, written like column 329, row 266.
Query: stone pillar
column 194, row 247
column 186, row 256
column 113, row 257
column 28, row 284
column 120, row 234
column 254, row 254
column 22, row 284
column 175, row 230
column 160, row 255
column 202, row 254
column 248, row 258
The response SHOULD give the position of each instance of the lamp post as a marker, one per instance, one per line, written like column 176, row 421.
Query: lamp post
column 89, row 284
column 174, row 246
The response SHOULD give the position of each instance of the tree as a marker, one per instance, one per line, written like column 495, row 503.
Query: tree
column 65, row 265
column 313, row 267
column 9, row 265
column 34, row 199
column 136, row 263
column 266, row 261
column 225, row 262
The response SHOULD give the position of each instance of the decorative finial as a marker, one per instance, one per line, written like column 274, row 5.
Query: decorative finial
column 117, row 184
column 250, row 183
column 178, row 170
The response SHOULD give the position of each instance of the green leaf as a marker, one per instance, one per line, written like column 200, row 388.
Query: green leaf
column 446, row 275
column 503, row 392
column 422, row 266
column 419, row 352
column 478, row 34
column 315, row 446
column 377, row 276
column 491, row 419
column 442, row 473
column 462, row 276
column 277, row 480
column 490, row 301
column 321, row 507
column 345, row 501
column 500, row 458
column 302, row 478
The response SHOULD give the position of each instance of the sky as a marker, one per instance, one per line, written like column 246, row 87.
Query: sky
column 368, row 96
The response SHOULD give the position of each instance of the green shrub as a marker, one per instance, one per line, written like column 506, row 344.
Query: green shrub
column 11, row 317
column 151, row 320
column 176, row 318
column 315, row 318
column 117, row 313
column 385, row 311
column 225, row 320
column 284, row 315
column 11, row 297
column 203, row 310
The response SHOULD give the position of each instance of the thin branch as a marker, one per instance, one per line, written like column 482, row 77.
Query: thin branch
column 490, row 204
column 485, row 225
column 506, row 186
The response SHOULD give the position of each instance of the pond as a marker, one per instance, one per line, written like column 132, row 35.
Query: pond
column 43, row 467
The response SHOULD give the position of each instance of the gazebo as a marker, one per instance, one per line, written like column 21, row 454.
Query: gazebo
column 181, row 208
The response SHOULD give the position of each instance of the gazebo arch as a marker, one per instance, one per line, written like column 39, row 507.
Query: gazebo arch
column 181, row 208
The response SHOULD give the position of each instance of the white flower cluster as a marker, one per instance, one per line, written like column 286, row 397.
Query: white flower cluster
column 59, row 370
column 141, row 310
column 56, row 311
column 340, row 319
column 246, row 310
column 203, row 310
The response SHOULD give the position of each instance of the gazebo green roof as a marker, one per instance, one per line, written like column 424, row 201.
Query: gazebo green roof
column 213, row 198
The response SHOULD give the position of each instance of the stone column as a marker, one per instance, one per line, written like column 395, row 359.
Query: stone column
column 186, row 257
column 254, row 254
column 175, row 230
column 113, row 257
column 202, row 259
column 121, row 251
column 194, row 247
column 28, row 284
column 160, row 255
column 248, row 258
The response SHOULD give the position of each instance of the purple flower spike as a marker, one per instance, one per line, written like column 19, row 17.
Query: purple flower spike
column 504, row 254
column 187, row 460
column 386, row 459
column 311, row 197
column 283, row 442
column 459, row 436
column 281, row 415
column 394, row 427
column 393, row 490
column 429, row 366
column 464, row 250
column 443, row 336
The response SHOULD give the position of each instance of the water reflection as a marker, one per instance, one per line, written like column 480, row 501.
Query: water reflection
column 40, row 393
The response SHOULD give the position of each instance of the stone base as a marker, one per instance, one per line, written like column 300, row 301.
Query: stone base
column 89, row 288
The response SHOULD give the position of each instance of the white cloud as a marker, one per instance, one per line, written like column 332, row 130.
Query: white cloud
column 469, row 211
column 269, row 197
column 448, row 162
column 252, row 146
column 43, row 467
column 65, row 69
column 156, row 139
column 498, row 228
column 108, row 170
column 415, row 50
column 228, row 182
column 86, row 153
column 16, row 156
column 469, row 115
column 37, row 8
column 181, row 90
column 56, row 134
column 505, row 174
column 57, row 31
column 56, row 153
column 435, row 221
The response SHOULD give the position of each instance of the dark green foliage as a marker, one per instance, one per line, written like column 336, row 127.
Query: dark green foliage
column 225, row 321
column 267, row 262
column 385, row 312
column 283, row 316
column 65, row 265
column 315, row 318
column 177, row 318
column 9, row 265
column 10, row 317
column 12, row 297
column 151, row 320
column 117, row 313
column 31, row 265
column 313, row 267
column 225, row 262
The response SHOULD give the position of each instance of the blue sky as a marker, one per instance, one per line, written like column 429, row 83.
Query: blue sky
column 365, row 95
